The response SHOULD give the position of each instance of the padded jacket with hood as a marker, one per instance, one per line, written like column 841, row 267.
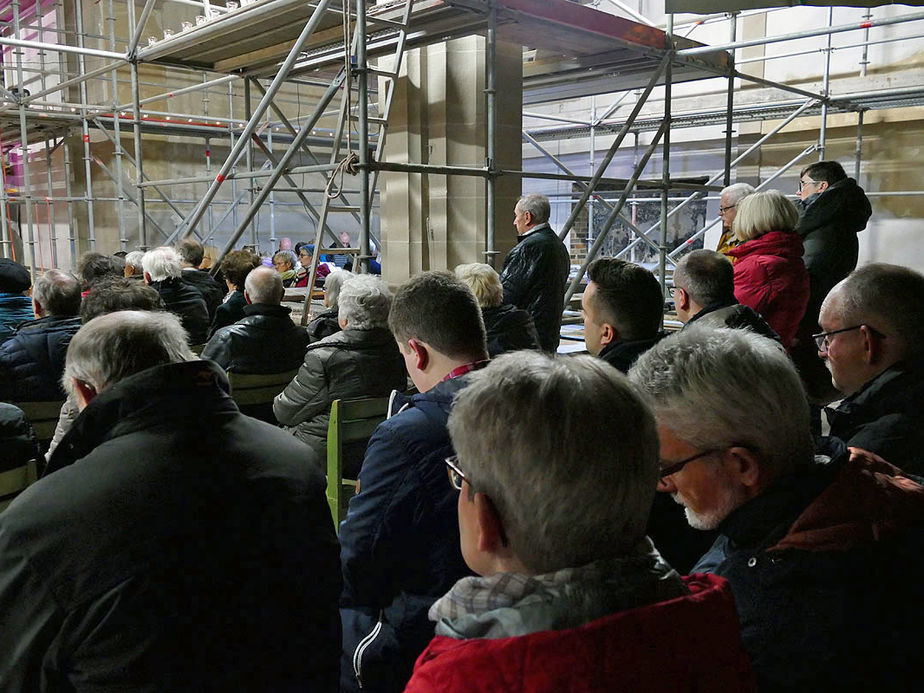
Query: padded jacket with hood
column 508, row 329
column 264, row 341
column 32, row 360
column 770, row 278
column 349, row 364
column 186, row 302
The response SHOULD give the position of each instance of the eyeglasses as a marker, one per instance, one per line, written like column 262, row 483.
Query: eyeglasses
column 823, row 343
column 803, row 183
column 673, row 468
column 456, row 477
column 722, row 210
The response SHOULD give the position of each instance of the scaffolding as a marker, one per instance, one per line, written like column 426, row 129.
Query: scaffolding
column 262, row 56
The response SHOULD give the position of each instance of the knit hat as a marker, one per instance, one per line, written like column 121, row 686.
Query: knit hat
column 14, row 278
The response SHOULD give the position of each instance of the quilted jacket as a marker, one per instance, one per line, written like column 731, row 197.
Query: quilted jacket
column 32, row 360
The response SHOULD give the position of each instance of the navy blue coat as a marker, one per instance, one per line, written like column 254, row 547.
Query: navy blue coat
column 32, row 360
column 14, row 309
column 400, row 547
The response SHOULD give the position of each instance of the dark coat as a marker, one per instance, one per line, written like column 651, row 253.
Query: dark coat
column 735, row 316
column 187, row 304
column 509, row 329
column 621, row 355
column 886, row 417
column 175, row 546
column 324, row 325
column 212, row 292
column 400, row 541
column 829, row 225
column 534, row 276
column 229, row 312
column 349, row 364
column 32, row 360
column 265, row 341
column 17, row 441
column 828, row 578
column 770, row 278
column 14, row 309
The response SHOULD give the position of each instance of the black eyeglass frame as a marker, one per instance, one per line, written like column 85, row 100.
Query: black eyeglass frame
column 677, row 466
column 823, row 344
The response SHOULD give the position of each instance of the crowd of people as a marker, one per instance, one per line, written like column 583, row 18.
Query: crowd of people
column 661, row 514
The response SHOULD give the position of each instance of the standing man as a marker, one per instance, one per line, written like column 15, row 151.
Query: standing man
column 728, row 210
column 536, row 269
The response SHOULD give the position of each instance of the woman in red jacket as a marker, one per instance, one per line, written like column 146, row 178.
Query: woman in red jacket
column 770, row 275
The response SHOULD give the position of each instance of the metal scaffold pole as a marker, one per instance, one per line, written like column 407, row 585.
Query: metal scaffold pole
column 85, row 130
column 25, row 193
column 490, row 252
column 730, row 99
column 362, row 96
column 666, row 158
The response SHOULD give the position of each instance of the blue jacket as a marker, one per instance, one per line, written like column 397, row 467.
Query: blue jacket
column 828, row 578
column 14, row 309
column 399, row 542
column 32, row 360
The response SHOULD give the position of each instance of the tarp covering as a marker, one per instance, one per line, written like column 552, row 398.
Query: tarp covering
column 714, row 6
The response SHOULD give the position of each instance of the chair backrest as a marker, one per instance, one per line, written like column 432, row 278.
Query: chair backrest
column 351, row 421
column 254, row 392
column 44, row 418
column 14, row 480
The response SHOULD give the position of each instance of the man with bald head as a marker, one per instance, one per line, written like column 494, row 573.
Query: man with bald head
column 872, row 342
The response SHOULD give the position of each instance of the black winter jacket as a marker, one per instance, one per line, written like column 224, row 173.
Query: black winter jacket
column 17, row 441
column 509, row 329
column 187, row 304
column 534, row 276
column 175, row 546
column 349, row 364
column 265, row 341
column 32, row 361
column 733, row 315
column 229, row 312
column 886, row 417
column 14, row 309
column 622, row 355
column 324, row 325
column 212, row 292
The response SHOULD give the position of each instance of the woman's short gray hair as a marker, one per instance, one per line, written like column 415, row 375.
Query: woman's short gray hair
column 364, row 302
column 117, row 345
column 484, row 282
column 566, row 450
column 332, row 285
column 134, row 259
column 763, row 212
column 719, row 388
column 162, row 263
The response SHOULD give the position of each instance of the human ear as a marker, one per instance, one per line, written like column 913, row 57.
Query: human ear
column 490, row 529
column 85, row 393
column 421, row 354
column 744, row 464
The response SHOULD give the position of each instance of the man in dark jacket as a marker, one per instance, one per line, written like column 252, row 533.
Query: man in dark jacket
column 175, row 545
column 400, row 539
column 823, row 554
column 536, row 269
column 15, row 305
column 235, row 268
column 191, row 253
column 623, row 311
column 704, row 294
column 163, row 272
column 32, row 360
column 873, row 345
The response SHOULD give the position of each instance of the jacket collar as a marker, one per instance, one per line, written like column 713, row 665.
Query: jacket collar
column 537, row 227
column 781, row 243
column 712, row 307
column 268, row 309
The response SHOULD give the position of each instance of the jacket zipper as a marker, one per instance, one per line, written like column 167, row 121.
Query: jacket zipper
column 362, row 647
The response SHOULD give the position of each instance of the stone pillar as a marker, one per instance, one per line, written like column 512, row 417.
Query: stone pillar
column 438, row 117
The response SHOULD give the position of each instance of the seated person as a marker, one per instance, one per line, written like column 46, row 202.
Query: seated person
column 770, row 276
column 823, row 554
column 873, row 345
column 360, row 361
column 235, row 268
column 570, row 594
column 32, row 360
column 327, row 323
column 704, row 294
column 162, row 271
column 305, row 254
column 284, row 261
column 191, row 252
column 508, row 328
column 400, row 539
column 15, row 305
column 133, row 268
column 17, row 441
column 623, row 310
column 93, row 268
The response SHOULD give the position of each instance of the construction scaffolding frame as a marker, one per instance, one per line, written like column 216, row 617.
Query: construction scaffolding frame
column 266, row 46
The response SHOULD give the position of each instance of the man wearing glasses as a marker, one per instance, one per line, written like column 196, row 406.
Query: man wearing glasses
column 728, row 209
column 822, row 553
column 556, row 468
column 873, row 344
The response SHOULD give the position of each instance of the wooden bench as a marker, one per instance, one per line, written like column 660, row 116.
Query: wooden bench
column 14, row 480
column 43, row 416
column 254, row 392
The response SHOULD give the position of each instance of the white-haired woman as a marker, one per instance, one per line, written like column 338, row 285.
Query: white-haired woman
column 360, row 361
column 770, row 275
column 328, row 322
column 508, row 328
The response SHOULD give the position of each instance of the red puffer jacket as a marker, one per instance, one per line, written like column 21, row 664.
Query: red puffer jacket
column 771, row 278
column 686, row 644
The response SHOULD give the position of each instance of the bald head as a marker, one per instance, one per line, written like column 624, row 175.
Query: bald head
column 264, row 285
